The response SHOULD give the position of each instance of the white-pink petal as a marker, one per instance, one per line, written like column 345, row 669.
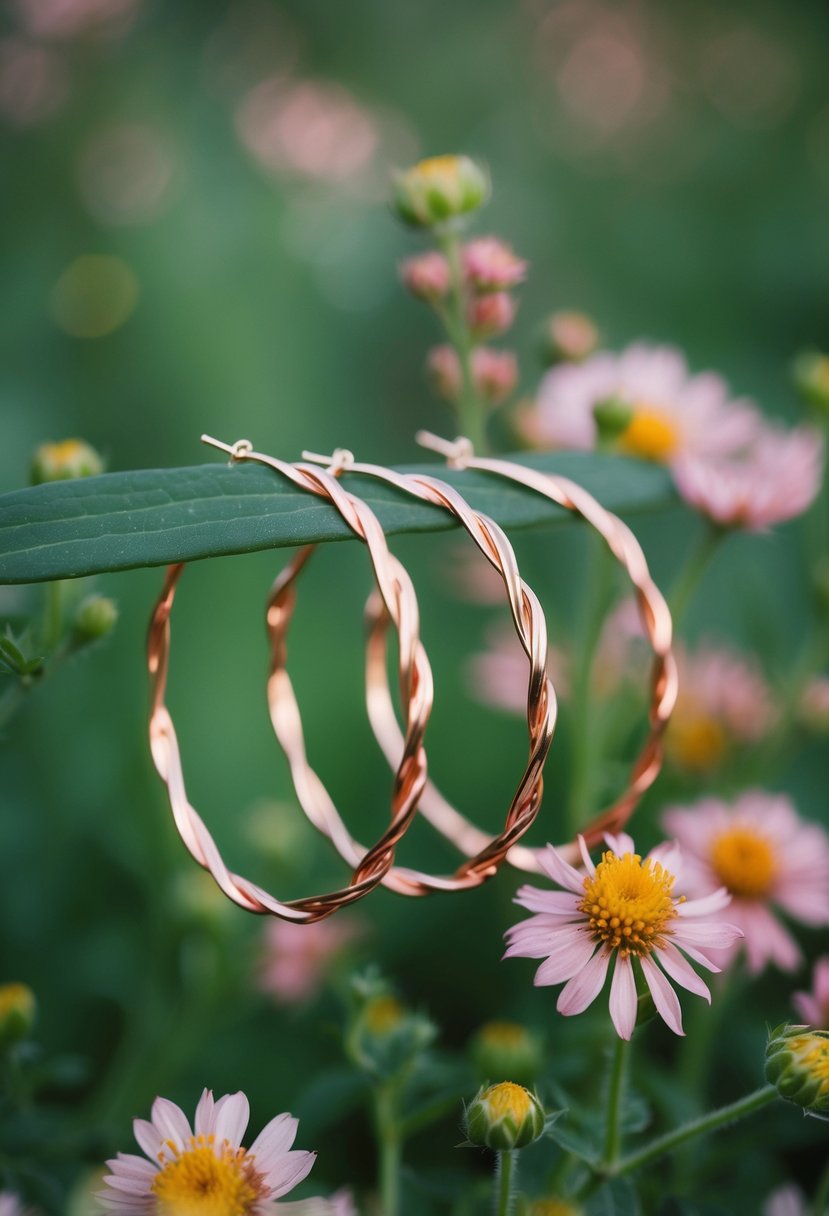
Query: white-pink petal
column 203, row 1122
column 230, row 1119
column 171, row 1122
column 582, row 990
column 561, row 871
column 623, row 999
column 664, row 997
column 566, row 962
column 293, row 1167
column 681, row 971
column 275, row 1139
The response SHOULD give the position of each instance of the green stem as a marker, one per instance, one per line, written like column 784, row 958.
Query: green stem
column 390, row 1145
column 689, row 577
column 695, row 1127
column 615, row 1098
column 53, row 615
column 471, row 410
column 504, row 1179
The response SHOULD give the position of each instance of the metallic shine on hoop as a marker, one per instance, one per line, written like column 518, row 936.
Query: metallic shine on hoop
column 397, row 595
column 656, row 619
column 484, row 853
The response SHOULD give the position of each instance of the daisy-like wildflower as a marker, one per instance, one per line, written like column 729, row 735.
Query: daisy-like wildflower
column 766, row 856
column 813, row 1006
column 724, row 701
column 205, row 1171
column 624, row 909
column 671, row 412
column 775, row 478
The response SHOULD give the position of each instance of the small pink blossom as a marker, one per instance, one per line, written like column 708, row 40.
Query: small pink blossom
column 570, row 337
column 427, row 276
column 491, row 314
column 444, row 371
column 813, row 1007
column 775, row 478
column 673, row 413
column 10, row 1205
column 622, row 909
column 498, row 675
column 297, row 958
column 495, row 373
column 787, row 1200
column 490, row 265
column 181, row 1162
column 813, row 710
column 766, row 857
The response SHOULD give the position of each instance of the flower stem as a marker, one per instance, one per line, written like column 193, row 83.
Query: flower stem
column 504, row 1179
column 615, row 1098
column 695, row 1127
column 390, row 1144
column 689, row 577
column 470, row 408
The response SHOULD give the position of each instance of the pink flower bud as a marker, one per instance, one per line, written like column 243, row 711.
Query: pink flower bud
column 444, row 372
column 569, row 337
column 495, row 373
column 490, row 265
column 427, row 277
column 491, row 314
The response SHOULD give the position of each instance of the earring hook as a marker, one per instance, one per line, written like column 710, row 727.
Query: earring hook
column 236, row 451
column 457, row 451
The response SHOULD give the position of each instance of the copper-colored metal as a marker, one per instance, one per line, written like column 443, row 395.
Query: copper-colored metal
column 656, row 619
column 396, row 593
column 484, row 853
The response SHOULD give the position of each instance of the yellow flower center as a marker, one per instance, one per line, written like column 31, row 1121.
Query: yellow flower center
column 628, row 903
column 65, row 451
column 553, row 1207
column 650, row 434
column 438, row 167
column 744, row 862
column 508, row 1101
column 695, row 740
column 383, row 1014
column 202, row 1182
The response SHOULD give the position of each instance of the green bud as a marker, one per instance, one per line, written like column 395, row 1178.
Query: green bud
column 506, row 1049
column 384, row 1037
column 18, row 1009
column 613, row 417
column 797, row 1063
column 810, row 373
column 95, row 617
column 549, row 1207
column 439, row 189
column 65, row 461
column 504, row 1117
column 568, row 337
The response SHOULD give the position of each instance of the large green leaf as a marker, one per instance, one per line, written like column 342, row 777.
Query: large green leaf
column 153, row 516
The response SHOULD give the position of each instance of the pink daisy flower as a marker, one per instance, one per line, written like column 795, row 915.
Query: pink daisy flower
column 623, row 910
column 813, row 1006
column 776, row 478
column 206, row 1168
column 673, row 413
column 764, row 855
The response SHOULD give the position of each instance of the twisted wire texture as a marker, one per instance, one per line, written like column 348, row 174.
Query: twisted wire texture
column 399, row 601
column 657, row 624
column 484, row 853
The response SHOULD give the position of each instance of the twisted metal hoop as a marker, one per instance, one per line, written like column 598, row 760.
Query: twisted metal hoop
column 656, row 619
column 397, row 596
column 484, row 853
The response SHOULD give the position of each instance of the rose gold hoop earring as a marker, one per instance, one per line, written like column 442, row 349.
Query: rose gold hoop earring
column 397, row 595
column 484, row 853
column 653, row 610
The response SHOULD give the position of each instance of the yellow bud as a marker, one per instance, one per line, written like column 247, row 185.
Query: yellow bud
column 18, row 1009
column 439, row 189
column 65, row 461
column 504, row 1117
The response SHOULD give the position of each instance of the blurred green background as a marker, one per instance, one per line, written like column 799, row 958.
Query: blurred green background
column 196, row 238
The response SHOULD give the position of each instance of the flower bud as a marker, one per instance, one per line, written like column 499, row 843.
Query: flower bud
column 439, row 189
column 385, row 1037
column 797, row 1063
column 95, row 617
column 18, row 1009
column 613, row 417
column 504, row 1117
column 810, row 372
column 550, row 1207
column 491, row 314
column 568, row 337
column 65, row 461
column 490, row 265
column 813, row 709
column 495, row 373
column 444, row 372
column 507, row 1049
column 427, row 277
